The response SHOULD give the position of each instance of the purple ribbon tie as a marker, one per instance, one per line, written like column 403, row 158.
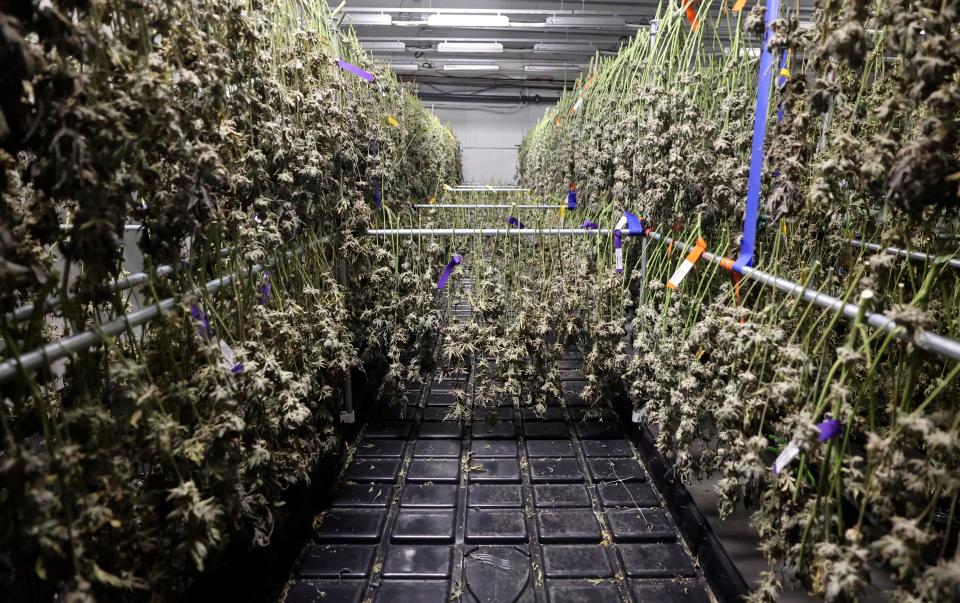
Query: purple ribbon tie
column 355, row 70
column 237, row 368
column 829, row 429
column 588, row 225
column 515, row 222
column 454, row 261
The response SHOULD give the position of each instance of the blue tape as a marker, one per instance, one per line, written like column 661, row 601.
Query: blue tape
column 756, row 153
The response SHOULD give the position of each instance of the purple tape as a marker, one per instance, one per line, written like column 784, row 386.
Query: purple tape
column 618, row 249
column 515, row 222
column 454, row 261
column 829, row 429
column 200, row 316
column 781, row 82
column 237, row 368
column 355, row 70
column 588, row 225
column 265, row 288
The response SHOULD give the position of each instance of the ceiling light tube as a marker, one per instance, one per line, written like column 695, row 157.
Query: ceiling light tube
column 586, row 21
column 464, row 47
column 367, row 19
column 385, row 46
column 560, row 47
column 470, row 67
column 551, row 68
column 451, row 20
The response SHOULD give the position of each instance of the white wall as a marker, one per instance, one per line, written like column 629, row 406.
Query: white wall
column 489, row 135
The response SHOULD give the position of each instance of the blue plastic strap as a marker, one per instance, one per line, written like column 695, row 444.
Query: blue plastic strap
column 756, row 153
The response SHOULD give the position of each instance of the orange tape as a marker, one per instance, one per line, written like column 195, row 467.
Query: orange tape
column 738, row 5
column 692, row 15
column 697, row 251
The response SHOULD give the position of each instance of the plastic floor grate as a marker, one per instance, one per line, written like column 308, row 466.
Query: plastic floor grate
column 509, row 507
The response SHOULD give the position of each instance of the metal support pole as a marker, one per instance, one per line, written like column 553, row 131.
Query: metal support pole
column 938, row 344
column 487, row 189
column 62, row 348
column 914, row 256
column 25, row 311
column 347, row 415
column 486, row 232
column 484, row 206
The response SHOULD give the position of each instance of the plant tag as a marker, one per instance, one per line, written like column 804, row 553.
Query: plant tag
column 392, row 121
column 577, row 105
column 635, row 417
column 687, row 264
column 618, row 257
column 786, row 457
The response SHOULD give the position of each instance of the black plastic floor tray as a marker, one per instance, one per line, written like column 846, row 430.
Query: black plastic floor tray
column 509, row 507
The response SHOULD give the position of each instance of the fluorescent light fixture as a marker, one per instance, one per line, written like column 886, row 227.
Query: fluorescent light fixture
column 385, row 46
column 451, row 20
column 471, row 67
column 560, row 47
column 551, row 68
column 494, row 47
column 405, row 67
column 586, row 21
column 367, row 19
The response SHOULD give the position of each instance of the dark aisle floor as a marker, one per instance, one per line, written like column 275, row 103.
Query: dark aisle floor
column 508, row 507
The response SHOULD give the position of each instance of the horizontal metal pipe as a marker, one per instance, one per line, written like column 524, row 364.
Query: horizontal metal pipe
column 914, row 256
column 932, row 342
column 125, row 226
column 483, row 206
column 487, row 189
column 62, row 348
column 25, row 311
column 485, row 232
